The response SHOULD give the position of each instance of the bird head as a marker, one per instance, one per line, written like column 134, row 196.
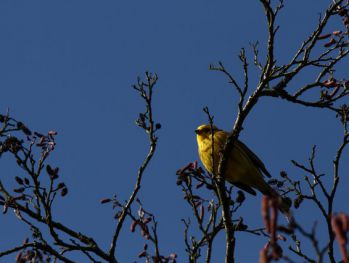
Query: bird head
column 205, row 130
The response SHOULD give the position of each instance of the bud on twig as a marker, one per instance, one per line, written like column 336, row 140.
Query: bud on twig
column 26, row 181
column 52, row 133
column 60, row 185
column 19, row 190
column 19, row 180
column 330, row 83
column 146, row 220
column 298, row 201
column 64, row 191
column 105, row 200
column 283, row 174
column 330, row 43
column 133, row 225
column 337, row 33
column 324, row 36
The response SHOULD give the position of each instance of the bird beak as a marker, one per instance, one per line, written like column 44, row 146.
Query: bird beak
column 197, row 131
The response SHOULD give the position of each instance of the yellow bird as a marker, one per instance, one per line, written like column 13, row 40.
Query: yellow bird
column 244, row 169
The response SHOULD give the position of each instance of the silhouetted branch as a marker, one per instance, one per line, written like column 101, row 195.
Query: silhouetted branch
column 330, row 90
column 146, row 122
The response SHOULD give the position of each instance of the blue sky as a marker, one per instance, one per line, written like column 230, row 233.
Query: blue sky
column 69, row 66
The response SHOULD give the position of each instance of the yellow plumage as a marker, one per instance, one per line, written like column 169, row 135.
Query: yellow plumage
column 244, row 169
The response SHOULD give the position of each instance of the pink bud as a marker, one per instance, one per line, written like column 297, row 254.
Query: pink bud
column 330, row 43
column 146, row 220
column 133, row 226
column 194, row 165
column 263, row 256
column 324, row 36
column 330, row 83
column 52, row 133
column 281, row 237
column 18, row 257
column 41, row 141
column 199, row 185
column 345, row 221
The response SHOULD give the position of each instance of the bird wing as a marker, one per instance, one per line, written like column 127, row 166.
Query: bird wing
column 254, row 158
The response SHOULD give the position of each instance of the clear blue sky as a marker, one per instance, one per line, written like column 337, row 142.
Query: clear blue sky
column 69, row 66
